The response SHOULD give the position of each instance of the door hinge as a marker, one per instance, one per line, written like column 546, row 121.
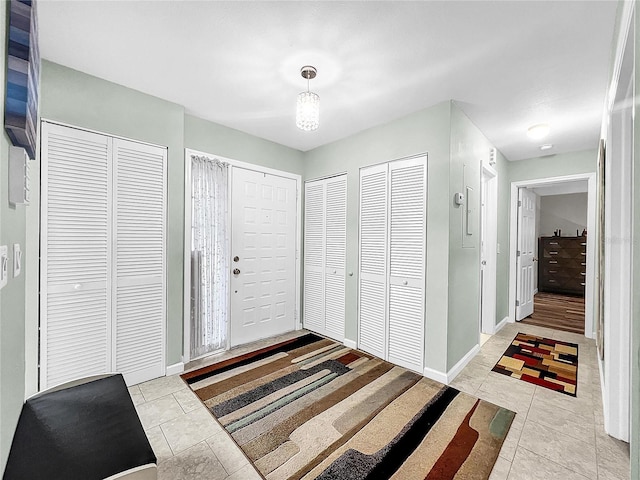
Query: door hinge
column 517, row 303
column 519, row 203
column 517, row 253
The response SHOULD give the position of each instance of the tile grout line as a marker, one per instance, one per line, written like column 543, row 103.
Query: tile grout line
column 558, row 464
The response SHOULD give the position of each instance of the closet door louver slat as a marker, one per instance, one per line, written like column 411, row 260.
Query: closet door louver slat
column 139, row 270
column 76, row 255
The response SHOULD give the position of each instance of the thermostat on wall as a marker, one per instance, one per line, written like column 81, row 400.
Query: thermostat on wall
column 459, row 198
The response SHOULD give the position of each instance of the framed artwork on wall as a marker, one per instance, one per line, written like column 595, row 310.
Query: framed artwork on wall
column 23, row 76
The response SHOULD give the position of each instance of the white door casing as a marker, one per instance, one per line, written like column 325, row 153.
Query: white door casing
column 488, row 249
column 263, row 237
column 314, row 256
column 525, row 252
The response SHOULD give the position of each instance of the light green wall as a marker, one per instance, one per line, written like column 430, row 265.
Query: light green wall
column 426, row 131
column 12, row 296
column 502, row 266
column 215, row 139
column 469, row 147
column 86, row 101
column 553, row 166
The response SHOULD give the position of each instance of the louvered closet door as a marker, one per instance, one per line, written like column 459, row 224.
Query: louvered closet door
column 139, row 268
column 76, row 264
column 335, row 256
column 314, row 219
column 407, row 238
column 372, row 332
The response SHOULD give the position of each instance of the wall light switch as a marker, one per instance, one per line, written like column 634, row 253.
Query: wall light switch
column 4, row 265
column 17, row 260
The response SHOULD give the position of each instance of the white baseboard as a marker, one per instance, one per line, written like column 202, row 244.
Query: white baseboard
column 350, row 343
column 435, row 375
column 457, row 368
column 175, row 369
column 499, row 326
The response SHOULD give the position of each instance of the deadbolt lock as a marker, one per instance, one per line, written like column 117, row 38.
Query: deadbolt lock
column 236, row 258
column 236, row 271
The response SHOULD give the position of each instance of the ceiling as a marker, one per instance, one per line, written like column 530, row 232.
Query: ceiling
column 508, row 64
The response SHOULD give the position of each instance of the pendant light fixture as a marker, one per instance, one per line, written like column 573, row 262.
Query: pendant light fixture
column 308, row 105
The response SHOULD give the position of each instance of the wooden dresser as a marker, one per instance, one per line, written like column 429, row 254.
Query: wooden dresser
column 562, row 264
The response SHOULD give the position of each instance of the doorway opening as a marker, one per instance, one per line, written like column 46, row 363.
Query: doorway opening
column 563, row 255
column 488, row 251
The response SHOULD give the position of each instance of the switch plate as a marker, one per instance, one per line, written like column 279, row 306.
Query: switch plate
column 17, row 260
column 4, row 265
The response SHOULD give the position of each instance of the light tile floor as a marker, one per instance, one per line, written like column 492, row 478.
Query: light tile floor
column 553, row 435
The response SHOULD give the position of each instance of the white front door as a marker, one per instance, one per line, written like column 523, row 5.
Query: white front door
column 263, row 255
column 525, row 252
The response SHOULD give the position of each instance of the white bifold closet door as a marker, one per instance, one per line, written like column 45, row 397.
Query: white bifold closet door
column 325, row 242
column 102, row 302
column 392, row 261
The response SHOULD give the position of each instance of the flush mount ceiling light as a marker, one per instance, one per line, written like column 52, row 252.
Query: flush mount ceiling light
column 538, row 131
column 308, row 105
column 546, row 146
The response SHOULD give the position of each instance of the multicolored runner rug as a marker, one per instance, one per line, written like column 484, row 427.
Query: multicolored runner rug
column 541, row 361
column 311, row 408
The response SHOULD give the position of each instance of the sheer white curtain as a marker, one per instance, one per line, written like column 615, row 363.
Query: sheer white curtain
column 209, row 255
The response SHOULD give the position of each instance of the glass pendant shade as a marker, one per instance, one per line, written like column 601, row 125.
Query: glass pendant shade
column 308, row 111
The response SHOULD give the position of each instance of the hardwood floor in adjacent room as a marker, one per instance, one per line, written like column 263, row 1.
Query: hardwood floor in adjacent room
column 561, row 312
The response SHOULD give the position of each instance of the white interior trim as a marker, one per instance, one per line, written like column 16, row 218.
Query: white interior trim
column 589, row 330
column 350, row 343
column 457, row 368
column 175, row 369
column 502, row 323
column 436, row 375
column 186, row 299
column 489, row 282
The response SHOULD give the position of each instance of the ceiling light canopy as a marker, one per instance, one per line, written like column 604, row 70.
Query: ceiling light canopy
column 538, row 131
column 546, row 146
column 308, row 105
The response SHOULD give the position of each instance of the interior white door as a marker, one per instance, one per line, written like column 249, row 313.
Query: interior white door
column 325, row 243
column 314, row 255
column 525, row 253
column 139, row 298
column 263, row 279
column 335, row 256
column 407, row 238
column 76, row 261
column 488, row 249
column 373, row 278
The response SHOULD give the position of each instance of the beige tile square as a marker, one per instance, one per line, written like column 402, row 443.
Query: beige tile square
column 510, row 444
column 613, row 456
column 188, row 400
column 574, row 455
column 507, row 392
column 136, row 395
column 576, row 426
column 580, row 406
column 159, row 444
column 229, row 454
column 189, row 429
column 500, row 469
column 195, row 463
column 162, row 386
column 158, row 411
column 468, row 383
column 246, row 473
column 530, row 466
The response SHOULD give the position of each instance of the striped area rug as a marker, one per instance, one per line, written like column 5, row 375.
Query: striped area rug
column 310, row 408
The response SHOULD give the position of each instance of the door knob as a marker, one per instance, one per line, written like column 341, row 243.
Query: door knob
column 236, row 271
column 236, row 258
column 405, row 283
column 484, row 262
